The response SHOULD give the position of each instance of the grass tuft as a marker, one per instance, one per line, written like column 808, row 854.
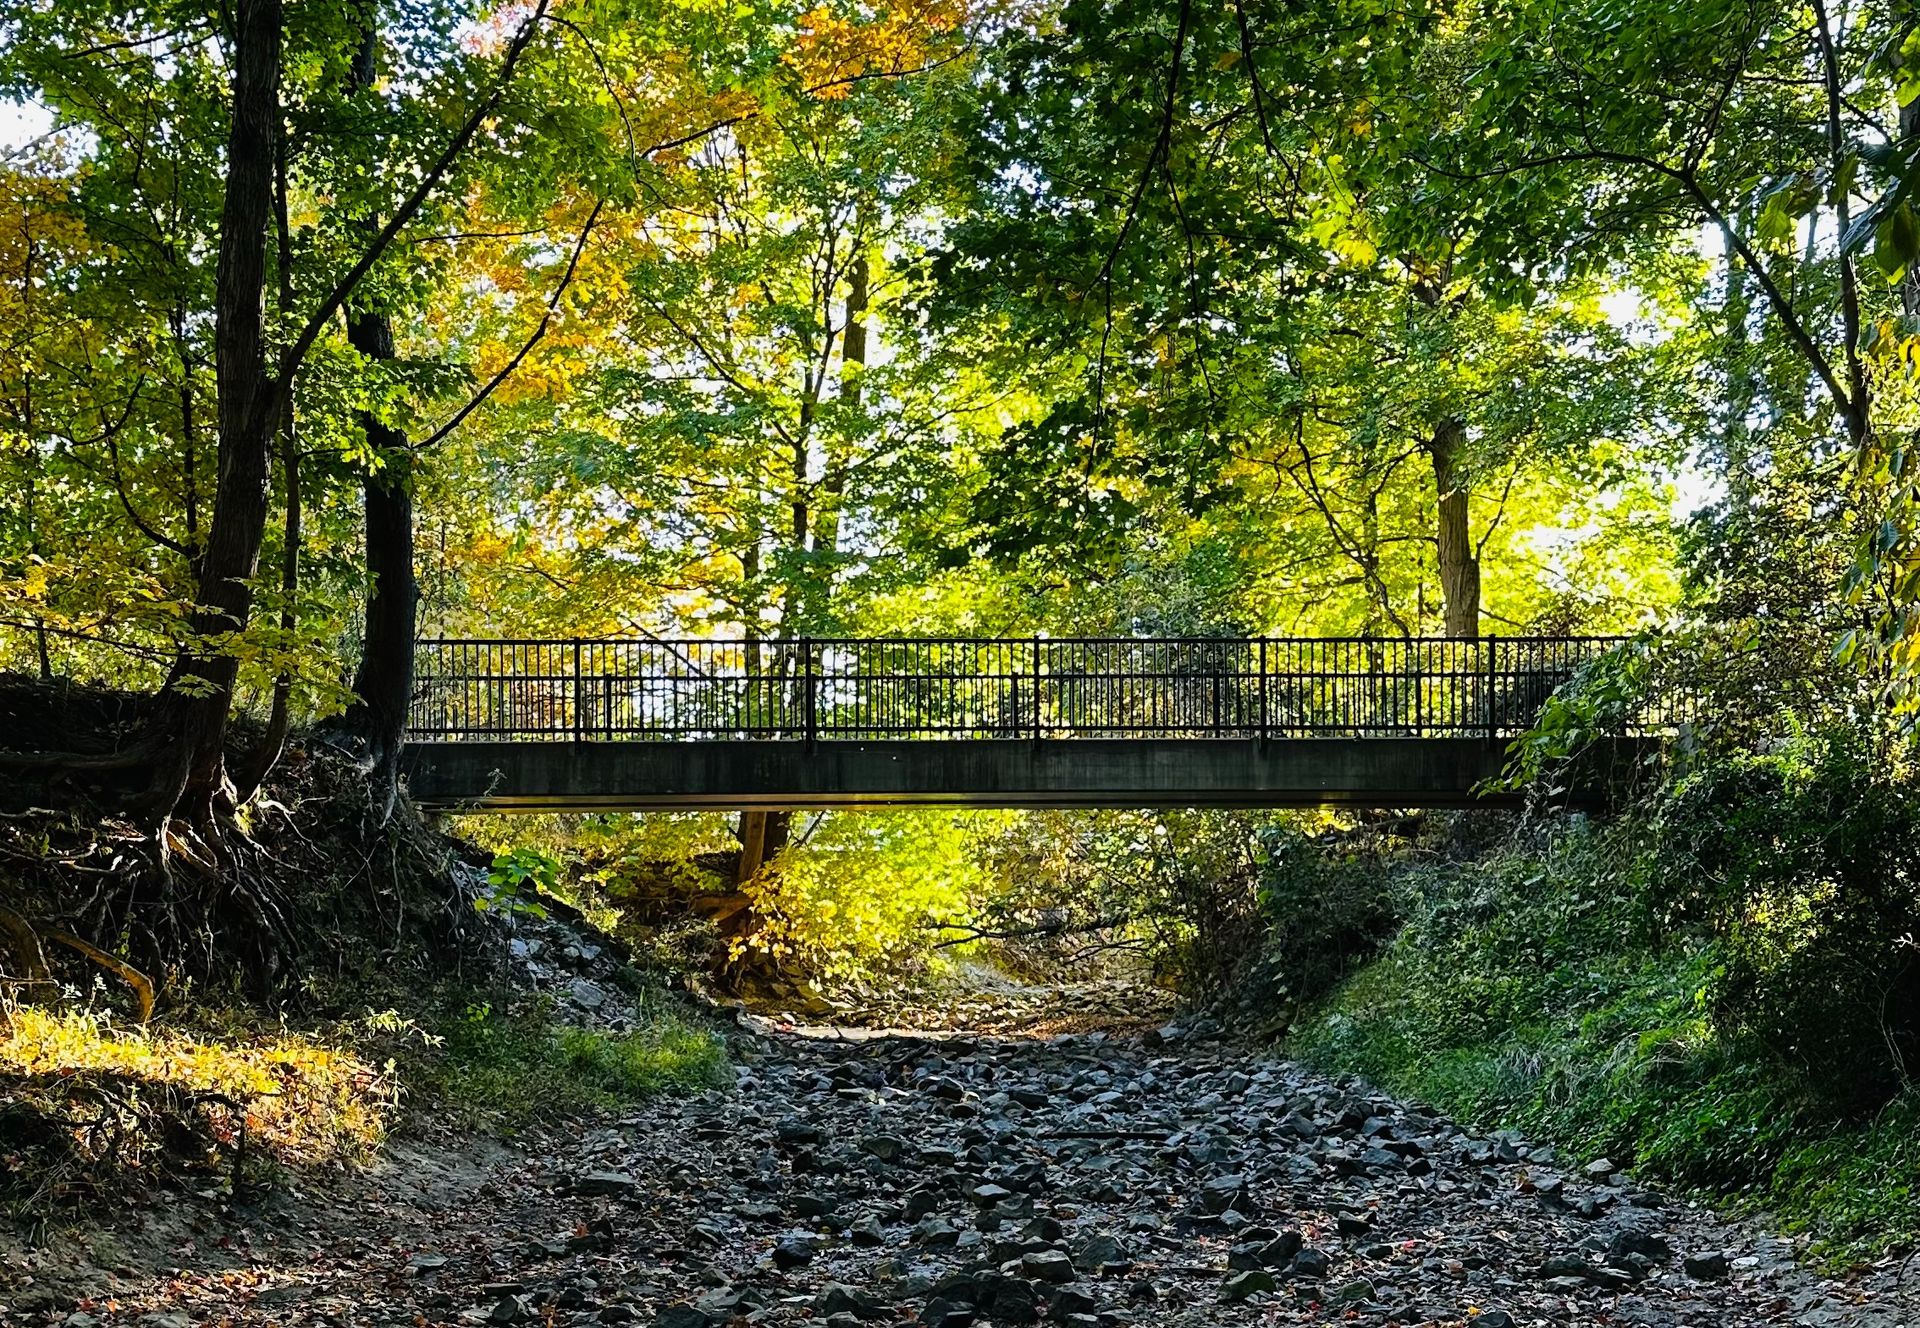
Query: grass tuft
column 509, row 1068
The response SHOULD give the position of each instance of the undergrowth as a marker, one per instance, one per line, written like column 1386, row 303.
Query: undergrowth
column 1683, row 990
column 89, row 1109
column 87, row 1105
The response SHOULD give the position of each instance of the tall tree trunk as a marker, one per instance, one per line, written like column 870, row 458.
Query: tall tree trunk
column 192, row 777
column 853, row 354
column 32, row 512
column 261, row 761
column 383, row 683
column 1910, row 130
column 816, row 526
column 1453, row 531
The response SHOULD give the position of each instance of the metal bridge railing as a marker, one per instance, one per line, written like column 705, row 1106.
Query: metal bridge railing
column 824, row 689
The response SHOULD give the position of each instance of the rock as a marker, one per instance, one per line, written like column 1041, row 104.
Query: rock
column 935, row 1231
column 1069, row 1302
column 960, row 1288
column 886, row 1147
column 1280, row 1251
column 1223, row 1193
column 792, row 1252
column 1101, row 1253
column 1565, row 1265
column 1705, row 1267
column 614, row 1183
column 1241, row 1285
column 1048, row 1266
column 940, row 1313
column 586, row 995
column 1647, row 1244
column 839, row 1298
column 1311, row 1263
column 508, row 1309
column 680, row 1316
column 794, row 1130
column 1015, row 1301
column 1354, row 1292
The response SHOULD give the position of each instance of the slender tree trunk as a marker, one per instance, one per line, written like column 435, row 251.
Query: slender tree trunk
column 32, row 511
column 383, row 683
column 1453, row 532
column 199, row 702
column 1742, row 387
column 816, row 527
column 751, row 827
column 853, row 354
column 1910, row 130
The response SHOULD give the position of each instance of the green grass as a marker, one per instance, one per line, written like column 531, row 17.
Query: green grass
column 1508, row 1001
column 508, row 1068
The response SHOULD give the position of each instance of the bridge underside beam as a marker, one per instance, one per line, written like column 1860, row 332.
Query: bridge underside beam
column 1055, row 772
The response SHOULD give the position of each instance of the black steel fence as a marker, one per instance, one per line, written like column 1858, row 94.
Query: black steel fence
column 1038, row 687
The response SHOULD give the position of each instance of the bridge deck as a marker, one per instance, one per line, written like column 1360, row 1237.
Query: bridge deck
column 549, row 725
column 1144, row 772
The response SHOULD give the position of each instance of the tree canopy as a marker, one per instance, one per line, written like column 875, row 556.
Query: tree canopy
column 331, row 325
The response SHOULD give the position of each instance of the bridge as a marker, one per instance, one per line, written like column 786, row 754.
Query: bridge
column 643, row 724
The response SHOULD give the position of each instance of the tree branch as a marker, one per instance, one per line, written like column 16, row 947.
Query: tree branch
column 546, row 319
column 328, row 307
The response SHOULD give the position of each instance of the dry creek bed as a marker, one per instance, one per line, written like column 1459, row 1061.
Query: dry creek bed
column 1088, row 1180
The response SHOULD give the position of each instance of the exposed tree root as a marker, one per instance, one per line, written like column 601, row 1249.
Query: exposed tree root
column 263, row 898
column 141, row 984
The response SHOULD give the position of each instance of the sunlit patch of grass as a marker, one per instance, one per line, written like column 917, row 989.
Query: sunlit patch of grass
column 510, row 1067
column 106, row 1097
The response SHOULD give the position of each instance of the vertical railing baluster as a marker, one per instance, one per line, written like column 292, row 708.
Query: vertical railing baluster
column 812, row 717
column 1493, row 721
column 1036, row 689
column 1263, row 691
column 579, row 698
column 1417, row 665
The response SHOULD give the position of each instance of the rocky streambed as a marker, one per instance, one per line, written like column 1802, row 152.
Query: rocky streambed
column 1088, row 1181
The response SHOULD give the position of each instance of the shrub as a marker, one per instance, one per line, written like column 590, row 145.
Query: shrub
column 1802, row 863
column 1717, row 986
column 1322, row 912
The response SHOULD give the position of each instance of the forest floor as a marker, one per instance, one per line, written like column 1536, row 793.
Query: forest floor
column 1120, row 1173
